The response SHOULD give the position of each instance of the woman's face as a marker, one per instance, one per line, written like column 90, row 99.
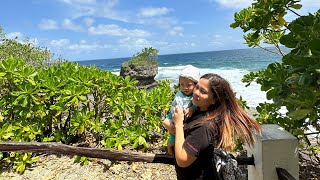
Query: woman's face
column 203, row 95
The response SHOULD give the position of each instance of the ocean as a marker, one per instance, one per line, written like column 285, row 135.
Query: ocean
column 230, row 64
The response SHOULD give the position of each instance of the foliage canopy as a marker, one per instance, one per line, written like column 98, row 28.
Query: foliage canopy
column 25, row 50
column 147, row 57
column 293, row 84
column 65, row 102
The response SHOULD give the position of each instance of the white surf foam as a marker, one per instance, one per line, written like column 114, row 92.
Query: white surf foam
column 252, row 94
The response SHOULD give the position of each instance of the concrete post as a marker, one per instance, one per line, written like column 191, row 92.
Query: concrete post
column 274, row 148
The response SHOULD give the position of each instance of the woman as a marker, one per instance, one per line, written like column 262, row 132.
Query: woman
column 219, row 122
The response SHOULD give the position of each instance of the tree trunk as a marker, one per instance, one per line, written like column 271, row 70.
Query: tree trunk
column 113, row 155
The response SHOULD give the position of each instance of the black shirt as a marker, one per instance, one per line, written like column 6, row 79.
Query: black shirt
column 199, row 142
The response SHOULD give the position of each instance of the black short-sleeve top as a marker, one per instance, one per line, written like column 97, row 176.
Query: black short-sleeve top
column 199, row 140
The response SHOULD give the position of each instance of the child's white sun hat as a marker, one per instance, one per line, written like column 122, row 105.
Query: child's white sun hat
column 191, row 72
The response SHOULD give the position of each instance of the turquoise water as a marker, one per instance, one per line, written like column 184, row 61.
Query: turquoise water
column 230, row 64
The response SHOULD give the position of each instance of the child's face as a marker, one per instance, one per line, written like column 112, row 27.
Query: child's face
column 186, row 85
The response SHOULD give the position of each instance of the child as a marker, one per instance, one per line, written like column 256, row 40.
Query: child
column 188, row 79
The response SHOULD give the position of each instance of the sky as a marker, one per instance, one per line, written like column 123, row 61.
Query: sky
column 101, row 29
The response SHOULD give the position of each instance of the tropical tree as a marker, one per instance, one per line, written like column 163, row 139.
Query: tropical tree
column 147, row 56
column 25, row 50
column 293, row 85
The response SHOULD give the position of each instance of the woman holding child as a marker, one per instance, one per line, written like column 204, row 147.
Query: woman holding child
column 218, row 121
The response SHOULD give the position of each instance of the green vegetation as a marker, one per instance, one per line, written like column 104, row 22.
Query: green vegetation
column 294, row 83
column 147, row 57
column 65, row 102
column 36, row 56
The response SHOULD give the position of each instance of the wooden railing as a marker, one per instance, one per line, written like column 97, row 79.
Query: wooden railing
column 284, row 174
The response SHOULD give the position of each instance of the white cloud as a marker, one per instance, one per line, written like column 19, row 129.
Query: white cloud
column 82, row 8
column 84, row 47
column 162, row 22
column 59, row 43
column 312, row 5
column 115, row 30
column 88, row 21
column 134, row 44
column 14, row 35
column 235, row 4
column 68, row 24
column 176, row 31
column 79, row 1
column 19, row 37
column 48, row 24
column 151, row 12
column 219, row 42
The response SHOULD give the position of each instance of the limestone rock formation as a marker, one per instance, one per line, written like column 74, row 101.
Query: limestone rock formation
column 143, row 73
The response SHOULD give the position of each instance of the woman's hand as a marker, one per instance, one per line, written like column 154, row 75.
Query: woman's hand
column 177, row 116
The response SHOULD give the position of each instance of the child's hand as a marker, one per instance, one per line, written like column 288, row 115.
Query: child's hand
column 188, row 112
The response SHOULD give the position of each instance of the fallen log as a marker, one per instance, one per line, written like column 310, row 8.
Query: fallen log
column 56, row 148
column 113, row 155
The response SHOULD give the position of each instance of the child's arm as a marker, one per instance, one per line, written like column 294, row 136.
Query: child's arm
column 168, row 124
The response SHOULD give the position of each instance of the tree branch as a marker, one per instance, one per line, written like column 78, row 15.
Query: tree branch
column 55, row 148
column 113, row 155
column 311, row 133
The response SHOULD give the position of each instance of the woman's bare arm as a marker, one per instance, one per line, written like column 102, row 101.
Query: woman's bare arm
column 183, row 158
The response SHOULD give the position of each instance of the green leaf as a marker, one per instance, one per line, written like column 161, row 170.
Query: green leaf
column 288, row 41
column 20, row 168
column 135, row 144
column 299, row 114
column 32, row 82
column 119, row 147
column 25, row 102
column 315, row 46
column 271, row 94
column 298, row 132
column 25, row 156
column 141, row 140
column 296, row 6
column 1, row 117
column 7, row 135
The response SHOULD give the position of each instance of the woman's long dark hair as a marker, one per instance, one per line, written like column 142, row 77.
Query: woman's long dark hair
column 233, row 121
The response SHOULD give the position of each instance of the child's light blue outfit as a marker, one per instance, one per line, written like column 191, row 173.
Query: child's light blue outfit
column 182, row 101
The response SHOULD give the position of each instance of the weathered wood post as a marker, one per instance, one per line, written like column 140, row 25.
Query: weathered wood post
column 275, row 148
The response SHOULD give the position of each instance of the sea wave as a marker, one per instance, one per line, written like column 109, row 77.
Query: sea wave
column 252, row 94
